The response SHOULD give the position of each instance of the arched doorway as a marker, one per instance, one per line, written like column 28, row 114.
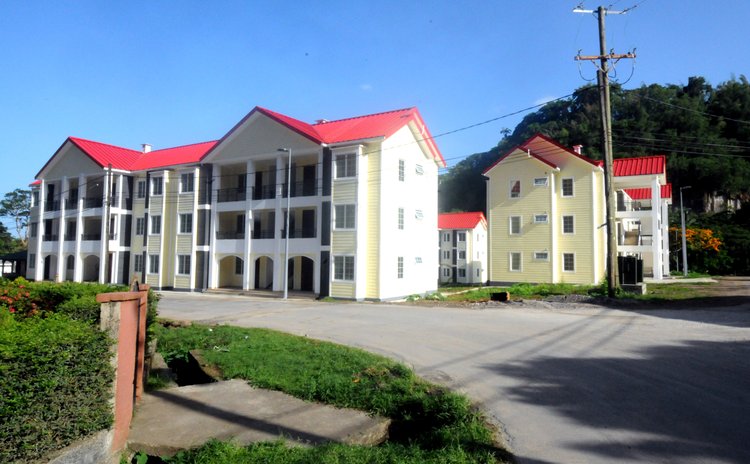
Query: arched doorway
column 301, row 274
column 91, row 268
column 231, row 270
column 264, row 273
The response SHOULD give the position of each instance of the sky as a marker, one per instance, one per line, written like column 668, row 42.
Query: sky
column 171, row 73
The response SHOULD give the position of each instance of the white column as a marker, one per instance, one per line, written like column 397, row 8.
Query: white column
column 656, row 250
column 60, row 271
column 78, row 269
column 38, row 262
column 104, row 238
column 213, row 266
column 362, row 210
column 665, row 237
column 554, row 222
column 249, row 271
column 278, row 260
column 194, row 235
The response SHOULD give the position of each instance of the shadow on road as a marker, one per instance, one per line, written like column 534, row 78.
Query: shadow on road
column 674, row 402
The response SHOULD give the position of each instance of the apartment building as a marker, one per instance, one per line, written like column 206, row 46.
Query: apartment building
column 361, row 194
column 463, row 247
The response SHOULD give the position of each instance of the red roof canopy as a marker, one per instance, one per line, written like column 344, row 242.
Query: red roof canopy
column 645, row 192
column 641, row 166
column 461, row 220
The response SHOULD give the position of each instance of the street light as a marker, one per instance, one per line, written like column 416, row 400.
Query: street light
column 684, row 246
column 286, row 227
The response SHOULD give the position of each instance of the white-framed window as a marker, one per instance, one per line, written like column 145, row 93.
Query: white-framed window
column 153, row 264
column 479, row 273
column 446, row 255
column 568, row 224
column 155, row 228
column 446, row 272
column 140, row 226
column 462, row 254
column 566, row 187
column 401, row 219
column 344, row 217
column 540, row 181
column 401, row 170
column 514, row 225
column 569, row 262
column 157, row 186
column 514, row 258
column 419, row 169
column 183, row 264
column 541, row 256
column 447, row 237
column 400, row 268
column 34, row 229
column 462, row 272
column 35, row 198
column 186, row 182
column 138, row 263
column 186, row 223
column 541, row 218
column 462, row 236
column 343, row 268
column 238, row 266
column 346, row 165
column 515, row 189
column 418, row 215
column 141, row 189
column 32, row 260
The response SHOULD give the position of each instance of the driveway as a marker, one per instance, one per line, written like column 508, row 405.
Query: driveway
column 566, row 384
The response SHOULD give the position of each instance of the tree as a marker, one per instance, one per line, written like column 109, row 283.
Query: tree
column 7, row 242
column 17, row 205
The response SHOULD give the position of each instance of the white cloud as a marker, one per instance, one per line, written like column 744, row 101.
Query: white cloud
column 543, row 100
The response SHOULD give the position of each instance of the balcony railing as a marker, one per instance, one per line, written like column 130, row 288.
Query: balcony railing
column 69, row 237
column 264, row 192
column 229, row 235
column 633, row 206
column 71, row 203
column 230, row 194
column 91, row 237
column 299, row 233
column 49, row 238
column 262, row 234
column 93, row 202
column 306, row 188
column 52, row 205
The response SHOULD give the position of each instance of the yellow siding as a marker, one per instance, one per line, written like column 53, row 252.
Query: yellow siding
column 186, row 202
column 182, row 281
column 342, row 290
column 344, row 192
column 343, row 242
column 184, row 245
column 373, row 224
column 580, row 207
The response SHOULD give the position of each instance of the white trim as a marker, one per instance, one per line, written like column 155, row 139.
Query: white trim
column 562, row 256
column 538, row 216
column 354, row 267
column 510, row 261
column 537, row 258
column 562, row 187
column 354, row 217
column 544, row 183
column 562, row 223
column 510, row 189
column 510, row 225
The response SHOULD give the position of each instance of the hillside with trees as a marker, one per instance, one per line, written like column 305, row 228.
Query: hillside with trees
column 703, row 130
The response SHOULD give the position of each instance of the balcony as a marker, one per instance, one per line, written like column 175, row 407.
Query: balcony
column 262, row 234
column 71, row 203
column 231, row 194
column 49, row 238
column 91, row 237
column 299, row 233
column 69, row 237
column 220, row 235
column 52, row 205
column 305, row 188
column 264, row 192
column 93, row 202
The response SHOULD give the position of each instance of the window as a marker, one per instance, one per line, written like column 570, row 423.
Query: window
column 238, row 265
column 540, row 182
column 462, row 272
column 541, row 256
column 417, row 260
column 419, row 169
column 344, row 217
column 515, row 261
column 447, row 272
column 462, row 236
column 567, row 187
column 401, row 169
column 479, row 273
column 141, row 191
column 401, row 219
column 186, row 182
column 568, row 225
column 183, row 264
column 400, row 268
column 153, row 264
column 140, row 226
column 446, row 255
column 569, row 262
column 186, row 223
column 540, row 218
column 155, row 225
column 418, row 215
column 346, row 165
column 157, row 186
column 71, row 263
column 461, row 254
column 32, row 261
column 34, row 229
column 447, row 237
column 35, row 198
column 138, row 263
column 515, row 225
column 515, row 189
column 343, row 267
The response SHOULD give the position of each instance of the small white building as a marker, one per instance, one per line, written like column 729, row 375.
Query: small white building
column 463, row 247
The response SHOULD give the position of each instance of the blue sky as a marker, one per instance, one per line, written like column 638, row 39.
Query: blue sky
column 171, row 73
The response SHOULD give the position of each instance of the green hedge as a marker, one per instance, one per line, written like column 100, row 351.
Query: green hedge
column 55, row 384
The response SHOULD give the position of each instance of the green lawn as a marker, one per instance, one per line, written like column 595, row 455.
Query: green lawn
column 430, row 423
column 531, row 291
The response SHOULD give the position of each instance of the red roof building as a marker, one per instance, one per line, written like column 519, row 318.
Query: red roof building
column 461, row 220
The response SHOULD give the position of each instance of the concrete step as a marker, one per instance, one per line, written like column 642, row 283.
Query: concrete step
column 175, row 419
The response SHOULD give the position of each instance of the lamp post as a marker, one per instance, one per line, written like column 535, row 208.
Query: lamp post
column 286, row 226
column 684, row 245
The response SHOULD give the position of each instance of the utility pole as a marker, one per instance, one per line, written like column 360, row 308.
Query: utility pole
column 602, row 77
column 107, row 198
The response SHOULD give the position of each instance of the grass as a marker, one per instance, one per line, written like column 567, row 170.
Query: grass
column 530, row 291
column 677, row 291
column 429, row 423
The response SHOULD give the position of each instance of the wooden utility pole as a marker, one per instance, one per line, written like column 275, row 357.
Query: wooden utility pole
column 602, row 75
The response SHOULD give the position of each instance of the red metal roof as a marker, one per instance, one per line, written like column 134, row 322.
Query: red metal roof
column 540, row 145
column 104, row 154
column 644, row 165
column 461, row 220
column 172, row 156
column 645, row 192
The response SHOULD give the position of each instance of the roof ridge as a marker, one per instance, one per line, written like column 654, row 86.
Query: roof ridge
column 362, row 116
column 182, row 146
column 102, row 143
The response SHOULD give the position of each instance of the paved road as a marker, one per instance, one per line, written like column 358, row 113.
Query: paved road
column 567, row 385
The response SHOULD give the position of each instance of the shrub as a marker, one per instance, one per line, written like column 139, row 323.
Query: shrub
column 55, row 384
column 81, row 308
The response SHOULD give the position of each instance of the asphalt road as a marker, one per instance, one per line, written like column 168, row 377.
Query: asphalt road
column 568, row 384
